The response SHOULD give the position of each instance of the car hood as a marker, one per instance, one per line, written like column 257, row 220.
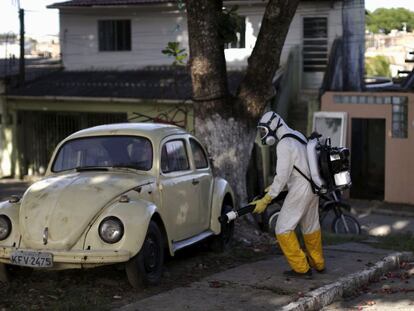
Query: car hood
column 66, row 204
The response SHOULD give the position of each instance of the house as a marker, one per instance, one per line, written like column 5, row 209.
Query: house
column 113, row 70
column 380, row 131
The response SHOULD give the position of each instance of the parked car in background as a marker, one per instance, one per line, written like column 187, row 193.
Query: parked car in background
column 120, row 193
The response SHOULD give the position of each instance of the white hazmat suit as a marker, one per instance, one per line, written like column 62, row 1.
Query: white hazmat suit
column 301, row 204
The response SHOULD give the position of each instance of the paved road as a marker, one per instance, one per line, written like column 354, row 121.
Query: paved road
column 10, row 187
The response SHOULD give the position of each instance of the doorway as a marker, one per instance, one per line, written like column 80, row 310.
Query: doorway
column 368, row 159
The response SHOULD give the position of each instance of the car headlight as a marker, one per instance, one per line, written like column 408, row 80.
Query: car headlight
column 5, row 227
column 111, row 230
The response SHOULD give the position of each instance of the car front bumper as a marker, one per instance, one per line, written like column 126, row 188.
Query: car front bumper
column 73, row 258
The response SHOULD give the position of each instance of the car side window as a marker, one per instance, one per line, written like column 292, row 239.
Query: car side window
column 200, row 157
column 174, row 157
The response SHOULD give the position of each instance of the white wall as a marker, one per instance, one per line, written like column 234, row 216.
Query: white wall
column 153, row 27
column 150, row 30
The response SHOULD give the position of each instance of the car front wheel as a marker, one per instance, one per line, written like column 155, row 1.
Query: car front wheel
column 145, row 268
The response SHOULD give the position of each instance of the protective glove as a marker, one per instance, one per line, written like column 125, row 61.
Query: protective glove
column 261, row 204
column 267, row 189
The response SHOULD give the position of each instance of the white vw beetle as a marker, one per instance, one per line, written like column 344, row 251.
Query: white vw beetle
column 113, row 194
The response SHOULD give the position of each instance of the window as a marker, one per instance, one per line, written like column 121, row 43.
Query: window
column 240, row 42
column 120, row 151
column 399, row 117
column 315, row 44
column 114, row 35
column 174, row 157
column 200, row 158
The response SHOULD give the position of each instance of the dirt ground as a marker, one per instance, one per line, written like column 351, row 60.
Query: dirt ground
column 107, row 287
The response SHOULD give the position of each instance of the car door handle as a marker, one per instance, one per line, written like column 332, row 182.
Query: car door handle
column 195, row 182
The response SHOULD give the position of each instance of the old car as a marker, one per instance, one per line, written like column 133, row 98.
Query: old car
column 122, row 193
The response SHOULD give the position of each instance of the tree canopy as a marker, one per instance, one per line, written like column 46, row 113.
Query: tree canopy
column 377, row 66
column 384, row 20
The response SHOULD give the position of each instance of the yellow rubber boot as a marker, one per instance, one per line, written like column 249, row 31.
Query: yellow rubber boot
column 294, row 254
column 313, row 243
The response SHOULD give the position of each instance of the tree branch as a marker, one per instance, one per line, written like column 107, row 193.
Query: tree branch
column 256, row 87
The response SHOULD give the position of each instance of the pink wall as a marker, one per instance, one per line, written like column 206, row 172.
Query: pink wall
column 399, row 152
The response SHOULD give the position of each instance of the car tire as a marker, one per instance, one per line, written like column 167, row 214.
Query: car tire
column 222, row 242
column 145, row 268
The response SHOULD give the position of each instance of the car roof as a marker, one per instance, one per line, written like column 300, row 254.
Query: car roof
column 154, row 131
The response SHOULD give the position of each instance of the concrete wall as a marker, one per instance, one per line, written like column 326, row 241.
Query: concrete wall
column 399, row 152
column 153, row 26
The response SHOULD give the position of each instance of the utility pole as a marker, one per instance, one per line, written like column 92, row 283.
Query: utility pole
column 21, row 60
column 353, row 38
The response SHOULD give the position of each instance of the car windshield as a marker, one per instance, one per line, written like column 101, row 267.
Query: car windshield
column 104, row 151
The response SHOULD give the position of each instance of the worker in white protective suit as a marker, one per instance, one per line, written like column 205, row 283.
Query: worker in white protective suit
column 300, row 205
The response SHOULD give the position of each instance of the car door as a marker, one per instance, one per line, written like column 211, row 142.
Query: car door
column 179, row 189
column 203, row 176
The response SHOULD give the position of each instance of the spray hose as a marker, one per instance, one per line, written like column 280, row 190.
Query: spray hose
column 232, row 215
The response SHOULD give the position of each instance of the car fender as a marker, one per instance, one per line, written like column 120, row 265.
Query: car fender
column 135, row 216
column 11, row 210
column 221, row 190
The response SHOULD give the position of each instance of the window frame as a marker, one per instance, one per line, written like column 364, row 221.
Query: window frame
column 313, row 64
column 116, row 42
column 184, row 141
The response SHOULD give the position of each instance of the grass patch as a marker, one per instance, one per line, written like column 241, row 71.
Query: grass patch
column 334, row 239
column 398, row 242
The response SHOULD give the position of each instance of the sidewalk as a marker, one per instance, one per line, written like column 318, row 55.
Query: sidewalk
column 261, row 285
column 382, row 208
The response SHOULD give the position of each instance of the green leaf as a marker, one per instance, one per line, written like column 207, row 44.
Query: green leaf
column 173, row 49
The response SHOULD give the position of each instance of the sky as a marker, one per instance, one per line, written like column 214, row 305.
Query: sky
column 45, row 22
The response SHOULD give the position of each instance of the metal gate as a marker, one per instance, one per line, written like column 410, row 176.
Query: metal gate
column 38, row 133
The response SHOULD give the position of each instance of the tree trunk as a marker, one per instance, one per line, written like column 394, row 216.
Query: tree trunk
column 230, row 142
column 225, row 124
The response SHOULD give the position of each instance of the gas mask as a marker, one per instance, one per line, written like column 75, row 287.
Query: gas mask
column 268, row 125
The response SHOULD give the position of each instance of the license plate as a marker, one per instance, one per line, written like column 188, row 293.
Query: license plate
column 32, row 259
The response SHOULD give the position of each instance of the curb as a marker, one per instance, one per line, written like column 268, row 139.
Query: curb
column 325, row 295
